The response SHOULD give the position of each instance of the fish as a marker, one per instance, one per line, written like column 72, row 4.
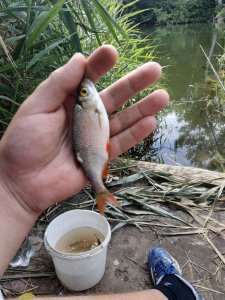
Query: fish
column 83, row 245
column 90, row 139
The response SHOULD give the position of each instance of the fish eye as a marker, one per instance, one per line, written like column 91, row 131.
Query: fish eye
column 83, row 92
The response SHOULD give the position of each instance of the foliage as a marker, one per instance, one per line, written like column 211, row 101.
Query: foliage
column 39, row 36
column 221, row 15
column 176, row 11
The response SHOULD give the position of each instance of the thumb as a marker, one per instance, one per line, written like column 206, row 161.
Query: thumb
column 61, row 83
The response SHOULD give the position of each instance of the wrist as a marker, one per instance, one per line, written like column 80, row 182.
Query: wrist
column 17, row 198
column 15, row 224
column 12, row 204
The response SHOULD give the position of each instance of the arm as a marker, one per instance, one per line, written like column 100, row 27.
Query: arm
column 15, row 224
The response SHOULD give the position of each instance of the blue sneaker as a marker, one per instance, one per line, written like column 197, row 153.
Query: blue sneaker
column 161, row 264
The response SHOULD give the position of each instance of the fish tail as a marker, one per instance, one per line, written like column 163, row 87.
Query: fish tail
column 103, row 197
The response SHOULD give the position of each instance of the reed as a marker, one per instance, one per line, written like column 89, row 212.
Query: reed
column 37, row 37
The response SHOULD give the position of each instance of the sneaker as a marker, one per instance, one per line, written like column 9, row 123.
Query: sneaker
column 161, row 264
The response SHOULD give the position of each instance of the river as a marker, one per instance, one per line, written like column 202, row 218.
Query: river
column 191, row 131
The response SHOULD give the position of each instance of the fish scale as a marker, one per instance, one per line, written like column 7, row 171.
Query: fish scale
column 91, row 140
column 92, row 152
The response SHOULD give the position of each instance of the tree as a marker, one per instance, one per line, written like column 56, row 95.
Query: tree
column 174, row 11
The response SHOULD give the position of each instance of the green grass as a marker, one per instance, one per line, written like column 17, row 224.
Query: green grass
column 36, row 39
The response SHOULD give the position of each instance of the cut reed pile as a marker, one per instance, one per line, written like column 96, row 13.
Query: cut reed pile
column 153, row 199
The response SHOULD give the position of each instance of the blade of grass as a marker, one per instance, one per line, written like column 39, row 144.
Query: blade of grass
column 42, row 21
column 207, row 289
column 71, row 26
column 206, row 195
column 42, row 53
column 214, row 203
column 215, row 248
column 128, row 179
column 198, row 231
column 109, row 21
column 27, row 275
column 14, row 39
column 214, row 71
column 7, row 53
column 14, row 9
column 90, row 19
column 10, row 100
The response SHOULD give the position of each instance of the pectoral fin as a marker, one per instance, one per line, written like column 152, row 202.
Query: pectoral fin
column 99, row 119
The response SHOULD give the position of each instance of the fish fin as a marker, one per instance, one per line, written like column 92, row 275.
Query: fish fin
column 79, row 157
column 105, row 171
column 107, row 147
column 103, row 197
column 99, row 119
column 106, row 168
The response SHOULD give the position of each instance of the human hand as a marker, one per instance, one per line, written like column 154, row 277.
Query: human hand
column 37, row 162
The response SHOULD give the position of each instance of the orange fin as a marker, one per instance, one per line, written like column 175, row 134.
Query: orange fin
column 103, row 197
column 107, row 147
column 105, row 171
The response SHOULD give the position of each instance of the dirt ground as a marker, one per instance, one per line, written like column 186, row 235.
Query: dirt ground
column 126, row 267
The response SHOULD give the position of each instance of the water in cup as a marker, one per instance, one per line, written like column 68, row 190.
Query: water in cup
column 79, row 240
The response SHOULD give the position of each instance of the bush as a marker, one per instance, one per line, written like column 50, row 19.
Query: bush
column 176, row 11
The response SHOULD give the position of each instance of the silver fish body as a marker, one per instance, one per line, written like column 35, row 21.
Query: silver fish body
column 91, row 139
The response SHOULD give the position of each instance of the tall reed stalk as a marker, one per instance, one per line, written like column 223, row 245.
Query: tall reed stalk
column 38, row 36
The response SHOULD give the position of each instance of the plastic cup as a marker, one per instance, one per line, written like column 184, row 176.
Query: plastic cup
column 78, row 271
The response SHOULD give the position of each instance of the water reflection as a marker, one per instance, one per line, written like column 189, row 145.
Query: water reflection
column 191, row 131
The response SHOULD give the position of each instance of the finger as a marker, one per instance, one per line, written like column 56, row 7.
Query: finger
column 131, row 136
column 100, row 62
column 127, row 87
column 149, row 106
column 52, row 92
column 63, row 82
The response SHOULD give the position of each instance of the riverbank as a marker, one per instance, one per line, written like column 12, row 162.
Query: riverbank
column 178, row 208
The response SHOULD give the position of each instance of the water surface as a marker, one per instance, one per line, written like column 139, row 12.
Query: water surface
column 191, row 131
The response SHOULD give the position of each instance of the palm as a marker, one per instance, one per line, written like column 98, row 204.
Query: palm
column 37, row 147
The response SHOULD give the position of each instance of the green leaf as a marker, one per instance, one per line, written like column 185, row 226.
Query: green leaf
column 6, row 68
column 14, row 39
column 118, row 226
column 5, row 2
column 110, row 21
column 4, row 111
column 14, row 9
column 42, row 21
column 3, row 122
column 128, row 179
column 71, row 25
column 90, row 19
column 6, row 89
column 129, row 4
column 2, row 43
column 42, row 53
